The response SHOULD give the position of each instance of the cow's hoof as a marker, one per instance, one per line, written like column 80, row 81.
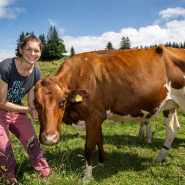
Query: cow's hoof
column 162, row 156
column 160, row 159
column 139, row 137
column 87, row 179
column 100, row 164
column 148, row 141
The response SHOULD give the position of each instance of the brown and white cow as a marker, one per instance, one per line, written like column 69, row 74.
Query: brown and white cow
column 123, row 85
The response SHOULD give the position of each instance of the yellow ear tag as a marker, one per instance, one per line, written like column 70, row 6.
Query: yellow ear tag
column 78, row 98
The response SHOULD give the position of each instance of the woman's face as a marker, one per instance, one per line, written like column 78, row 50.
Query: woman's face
column 31, row 52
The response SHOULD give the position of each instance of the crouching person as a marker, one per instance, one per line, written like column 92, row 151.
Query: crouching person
column 18, row 77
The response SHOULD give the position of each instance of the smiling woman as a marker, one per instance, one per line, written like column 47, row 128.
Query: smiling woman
column 17, row 78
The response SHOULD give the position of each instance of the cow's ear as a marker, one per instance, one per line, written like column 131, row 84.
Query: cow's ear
column 77, row 95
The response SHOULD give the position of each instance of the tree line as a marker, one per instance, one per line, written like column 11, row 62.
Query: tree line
column 54, row 47
column 126, row 44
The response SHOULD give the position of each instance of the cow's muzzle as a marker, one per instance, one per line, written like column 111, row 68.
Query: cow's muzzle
column 49, row 139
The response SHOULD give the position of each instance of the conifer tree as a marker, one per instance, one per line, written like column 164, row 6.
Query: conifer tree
column 109, row 46
column 19, row 40
column 44, row 49
column 55, row 34
column 173, row 45
column 166, row 45
column 122, row 43
column 55, row 45
column 72, row 51
column 50, row 35
column 125, row 43
column 32, row 33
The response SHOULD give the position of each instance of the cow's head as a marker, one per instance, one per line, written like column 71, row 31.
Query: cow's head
column 50, row 101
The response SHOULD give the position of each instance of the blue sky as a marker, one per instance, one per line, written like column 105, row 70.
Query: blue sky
column 89, row 25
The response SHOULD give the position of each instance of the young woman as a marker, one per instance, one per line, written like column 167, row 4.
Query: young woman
column 17, row 78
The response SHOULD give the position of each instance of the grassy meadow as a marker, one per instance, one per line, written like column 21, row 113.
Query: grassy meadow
column 128, row 160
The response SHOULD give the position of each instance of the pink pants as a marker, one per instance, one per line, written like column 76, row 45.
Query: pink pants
column 20, row 125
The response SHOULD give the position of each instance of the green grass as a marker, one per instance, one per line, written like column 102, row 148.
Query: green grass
column 128, row 160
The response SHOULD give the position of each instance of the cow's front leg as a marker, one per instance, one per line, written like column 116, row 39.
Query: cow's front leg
column 172, row 126
column 100, row 148
column 93, row 129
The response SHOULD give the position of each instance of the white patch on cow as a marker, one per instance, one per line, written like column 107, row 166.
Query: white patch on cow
column 85, row 58
column 127, row 118
column 88, row 173
column 58, row 88
column 177, row 97
column 145, row 112
column 184, row 76
column 80, row 126
column 81, row 123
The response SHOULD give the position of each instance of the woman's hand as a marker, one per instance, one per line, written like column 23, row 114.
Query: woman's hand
column 34, row 114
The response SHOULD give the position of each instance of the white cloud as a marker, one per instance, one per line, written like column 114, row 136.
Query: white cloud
column 6, row 54
column 172, row 31
column 10, row 13
column 61, row 31
column 53, row 22
column 172, row 13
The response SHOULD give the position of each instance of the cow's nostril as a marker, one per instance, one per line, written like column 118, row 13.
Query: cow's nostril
column 44, row 138
column 55, row 137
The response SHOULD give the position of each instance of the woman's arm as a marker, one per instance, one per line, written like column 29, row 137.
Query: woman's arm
column 31, row 98
column 8, row 106
column 34, row 113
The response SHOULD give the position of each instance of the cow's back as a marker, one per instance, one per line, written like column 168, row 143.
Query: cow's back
column 127, row 82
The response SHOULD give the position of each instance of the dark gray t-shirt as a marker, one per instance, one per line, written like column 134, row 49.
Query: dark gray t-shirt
column 18, row 86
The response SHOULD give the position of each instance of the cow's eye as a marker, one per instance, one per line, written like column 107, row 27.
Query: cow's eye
column 62, row 103
column 34, row 102
column 37, row 104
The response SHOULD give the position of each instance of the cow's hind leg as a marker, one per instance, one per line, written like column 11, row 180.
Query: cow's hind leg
column 100, row 148
column 172, row 126
column 142, row 132
column 148, row 133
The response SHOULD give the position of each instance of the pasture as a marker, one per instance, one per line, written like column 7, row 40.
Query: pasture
column 128, row 160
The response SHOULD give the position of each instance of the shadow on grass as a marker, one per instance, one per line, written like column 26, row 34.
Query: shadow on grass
column 130, row 141
column 73, row 160
column 115, row 162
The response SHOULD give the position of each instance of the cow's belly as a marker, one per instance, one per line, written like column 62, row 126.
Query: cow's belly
column 167, row 104
column 80, row 126
column 127, row 118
